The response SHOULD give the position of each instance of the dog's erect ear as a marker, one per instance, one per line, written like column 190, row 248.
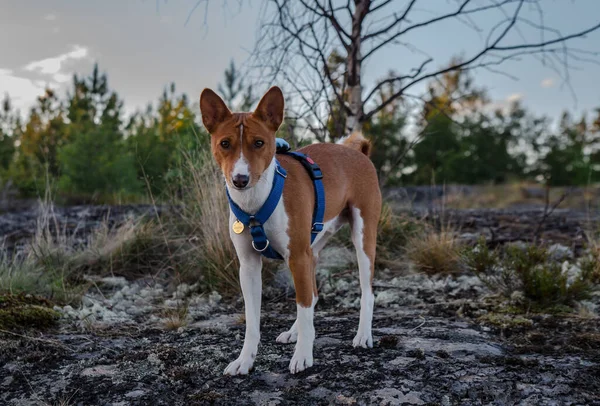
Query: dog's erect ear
column 270, row 108
column 213, row 109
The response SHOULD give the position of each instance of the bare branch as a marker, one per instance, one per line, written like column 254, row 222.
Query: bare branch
column 318, row 47
column 390, row 26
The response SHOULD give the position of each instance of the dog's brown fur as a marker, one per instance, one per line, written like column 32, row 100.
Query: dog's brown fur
column 349, row 178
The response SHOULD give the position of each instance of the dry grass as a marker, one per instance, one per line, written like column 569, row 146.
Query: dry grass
column 522, row 193
column 205, row 217
column 491, row 196
column 55, row 262
column 176, row 318
column 590, row 265
column 435, row 252
column 393, row 233
column 191, row 244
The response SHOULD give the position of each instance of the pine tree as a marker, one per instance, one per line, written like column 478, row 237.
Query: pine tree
column 236, row 94
column 8, row 121
column 96, row 161
column 158, row 139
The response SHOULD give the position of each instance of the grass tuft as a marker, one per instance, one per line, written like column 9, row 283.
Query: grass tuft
column 176, row 318
column 435, row 252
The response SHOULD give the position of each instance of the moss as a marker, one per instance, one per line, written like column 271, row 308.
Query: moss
column 503, row 320
column 26, row 311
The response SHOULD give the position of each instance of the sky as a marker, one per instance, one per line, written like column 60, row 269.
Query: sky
column 144, row 45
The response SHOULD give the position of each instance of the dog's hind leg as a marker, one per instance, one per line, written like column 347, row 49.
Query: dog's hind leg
column 364, row 238
column 289, row 336
column 330, row 228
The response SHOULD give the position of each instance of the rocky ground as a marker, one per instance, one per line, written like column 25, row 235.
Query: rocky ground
column 18, row 226
column 433, row 344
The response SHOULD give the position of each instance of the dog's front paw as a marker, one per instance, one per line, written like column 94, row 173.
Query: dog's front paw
column 300, row 361
column 240, row 366
column 363, row 339
column 287, row 337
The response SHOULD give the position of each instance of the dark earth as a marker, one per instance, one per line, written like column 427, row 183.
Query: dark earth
column 433, row 344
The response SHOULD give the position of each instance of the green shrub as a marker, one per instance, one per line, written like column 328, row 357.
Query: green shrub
column 528, row 276
column 97, row 163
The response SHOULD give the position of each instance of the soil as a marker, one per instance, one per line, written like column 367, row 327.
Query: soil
column 434, row 341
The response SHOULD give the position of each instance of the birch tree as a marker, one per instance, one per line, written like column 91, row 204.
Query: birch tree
column 318, row 49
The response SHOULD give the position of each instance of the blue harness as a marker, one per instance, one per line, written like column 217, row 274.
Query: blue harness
column 256, row 222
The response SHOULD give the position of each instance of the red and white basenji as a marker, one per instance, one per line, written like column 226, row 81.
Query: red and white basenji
column 243, row 144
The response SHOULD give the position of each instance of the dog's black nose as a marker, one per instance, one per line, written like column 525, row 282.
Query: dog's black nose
column 240, row 181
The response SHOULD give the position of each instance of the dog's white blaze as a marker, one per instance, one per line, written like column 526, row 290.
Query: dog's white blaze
column 303, row 355
column 367, row 299
column 241, row 166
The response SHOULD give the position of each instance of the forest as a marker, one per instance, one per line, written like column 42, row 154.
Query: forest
column 85, row 148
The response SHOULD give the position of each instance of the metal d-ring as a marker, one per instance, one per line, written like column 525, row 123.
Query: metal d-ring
column 279, row 172
column 257, row 250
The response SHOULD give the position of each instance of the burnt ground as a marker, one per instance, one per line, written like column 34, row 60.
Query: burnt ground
column 431, row 346
column 445, row 361
column 501, row 226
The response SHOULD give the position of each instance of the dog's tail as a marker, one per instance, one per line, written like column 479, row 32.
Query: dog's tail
column 356, row 141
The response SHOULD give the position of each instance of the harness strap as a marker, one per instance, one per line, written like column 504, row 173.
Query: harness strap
column 314, row 171
column 256, row 222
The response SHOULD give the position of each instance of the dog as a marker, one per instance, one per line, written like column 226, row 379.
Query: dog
column 244, row 147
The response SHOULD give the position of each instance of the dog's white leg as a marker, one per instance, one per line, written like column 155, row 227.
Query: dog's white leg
column 364, row 336
column 251, row 283
column 330, row 228
column 289, row 336
column 303, row 355
column 301, row 263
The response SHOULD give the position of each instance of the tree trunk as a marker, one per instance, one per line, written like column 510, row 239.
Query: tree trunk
column 354, row 63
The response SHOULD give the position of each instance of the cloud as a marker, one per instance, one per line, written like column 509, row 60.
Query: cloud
column 54, row 67
column 166, row 19
column 548, row 82
column 515, row 97
column 24, row 86
column 50, row 17
column 22, row 91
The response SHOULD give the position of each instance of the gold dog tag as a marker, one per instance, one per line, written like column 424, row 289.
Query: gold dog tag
column 237, row 227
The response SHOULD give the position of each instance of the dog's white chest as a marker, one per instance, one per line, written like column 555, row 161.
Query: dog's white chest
column 275, row 227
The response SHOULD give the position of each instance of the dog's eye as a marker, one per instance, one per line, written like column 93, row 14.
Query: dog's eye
column 225, row 144
column 259, row 143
